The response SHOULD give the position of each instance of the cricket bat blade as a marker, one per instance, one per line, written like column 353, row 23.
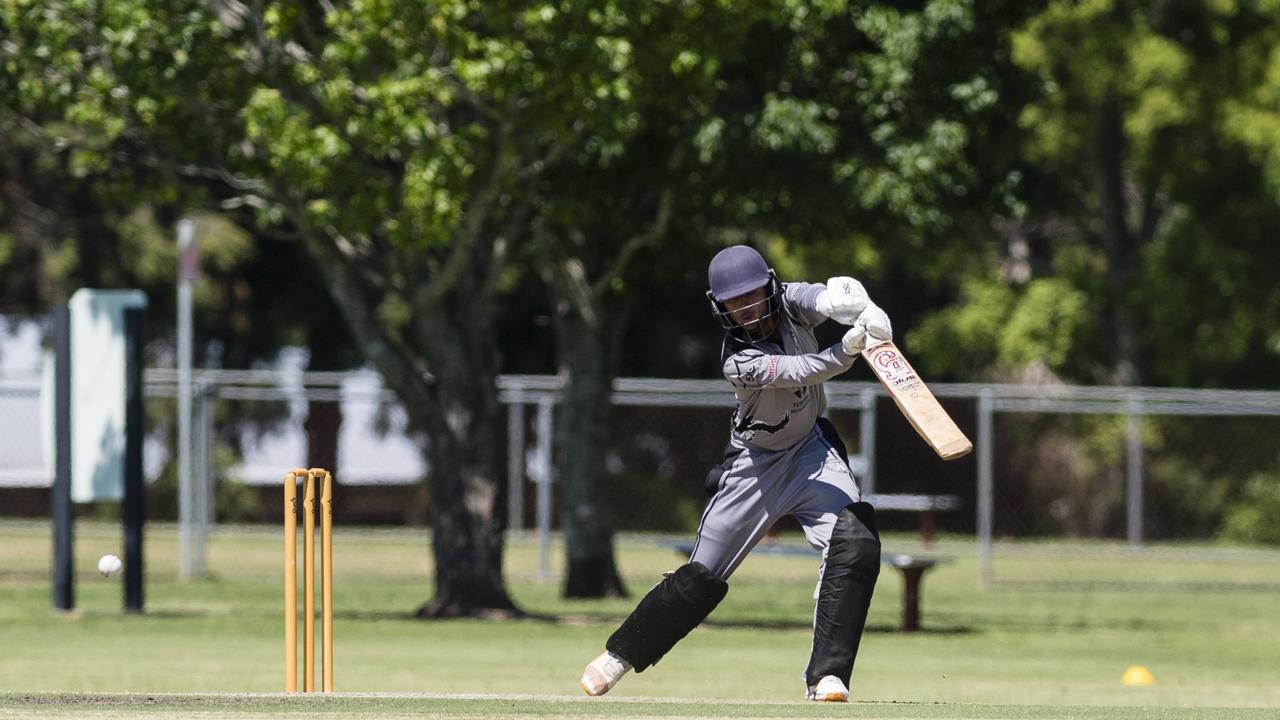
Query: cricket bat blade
column 916, row 401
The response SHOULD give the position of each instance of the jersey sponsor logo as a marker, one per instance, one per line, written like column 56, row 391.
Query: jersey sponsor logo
column 802, row 398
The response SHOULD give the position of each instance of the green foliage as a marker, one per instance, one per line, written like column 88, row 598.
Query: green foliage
column 1182, row 497
column 795, row 124
column 1145, row 136
column 1252, row 518
column 1044, row 325
column 1253, row 117
column 863, row 130
column 1236, row 314
column 1196, row 467
column 1004, row 329
column 379, row 125
column 962, row 339
column 1068, row 474
column 1125, row 153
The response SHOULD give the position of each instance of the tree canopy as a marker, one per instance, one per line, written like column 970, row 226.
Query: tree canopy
column 1085, row 191
column 1142, row 249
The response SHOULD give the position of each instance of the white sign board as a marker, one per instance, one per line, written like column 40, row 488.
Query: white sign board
column 98, row 392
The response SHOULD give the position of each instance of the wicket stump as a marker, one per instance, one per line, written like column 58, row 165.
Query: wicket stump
column 309, row 478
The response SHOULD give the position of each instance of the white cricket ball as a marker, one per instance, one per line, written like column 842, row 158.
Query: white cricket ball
column 110, row 566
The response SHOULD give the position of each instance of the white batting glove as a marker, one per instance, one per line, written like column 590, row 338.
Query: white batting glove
column 871, row 327
column 876, row 321
column 854, row 340
column 843, row 300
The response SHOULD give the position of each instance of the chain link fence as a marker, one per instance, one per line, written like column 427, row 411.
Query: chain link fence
column 1066, row 484
column 1128, row 486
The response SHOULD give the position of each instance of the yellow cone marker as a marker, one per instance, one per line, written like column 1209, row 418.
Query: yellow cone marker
column 1138, row 675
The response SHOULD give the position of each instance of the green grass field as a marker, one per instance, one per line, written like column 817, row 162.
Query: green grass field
column 213, row 648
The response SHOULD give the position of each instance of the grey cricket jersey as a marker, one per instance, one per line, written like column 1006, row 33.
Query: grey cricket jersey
column 779, row 387
column 781, row 459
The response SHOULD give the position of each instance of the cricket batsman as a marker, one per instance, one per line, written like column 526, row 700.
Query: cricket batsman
column 783, row 458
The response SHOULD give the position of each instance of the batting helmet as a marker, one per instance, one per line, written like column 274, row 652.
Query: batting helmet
column 736, row 271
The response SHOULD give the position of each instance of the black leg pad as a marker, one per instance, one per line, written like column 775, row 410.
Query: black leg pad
column 672, row 608
column 844, row 596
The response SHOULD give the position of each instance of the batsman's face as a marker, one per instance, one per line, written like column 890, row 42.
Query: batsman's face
column 751, row 310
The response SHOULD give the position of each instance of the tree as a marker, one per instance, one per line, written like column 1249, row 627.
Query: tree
column 787, row 128
column 879, row 123
column 1145, row 227
column 400, row 144
column 606, row 211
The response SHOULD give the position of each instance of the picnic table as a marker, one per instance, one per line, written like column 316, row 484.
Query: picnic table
column 927, row 505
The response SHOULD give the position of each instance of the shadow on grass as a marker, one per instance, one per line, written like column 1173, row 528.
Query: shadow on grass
column 746, row 623
column 781, row 625
column 105, row 614
column 485, row 616
column 1012, row 623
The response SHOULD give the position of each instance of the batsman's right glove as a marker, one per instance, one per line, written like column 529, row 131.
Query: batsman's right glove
column 843, row 300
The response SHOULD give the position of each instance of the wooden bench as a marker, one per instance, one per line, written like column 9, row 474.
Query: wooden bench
column 927, row 505
column 912, row 567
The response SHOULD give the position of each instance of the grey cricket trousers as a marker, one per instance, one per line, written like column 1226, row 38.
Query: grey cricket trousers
column 752, row 489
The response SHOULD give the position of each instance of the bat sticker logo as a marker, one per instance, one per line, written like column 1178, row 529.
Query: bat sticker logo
column 892, row 367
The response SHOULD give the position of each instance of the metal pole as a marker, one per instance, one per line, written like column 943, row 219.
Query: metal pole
column 986, row 486
column 1133, row 474
column 201, row 476
column 62, row 510
column 187, row 549
column 134, row 487
column 515, row 462
column 867, row 440
column 544, row 487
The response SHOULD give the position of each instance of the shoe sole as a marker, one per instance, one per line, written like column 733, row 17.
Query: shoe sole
column 832, row 697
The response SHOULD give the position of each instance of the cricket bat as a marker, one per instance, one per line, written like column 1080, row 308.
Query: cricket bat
column 916, row 401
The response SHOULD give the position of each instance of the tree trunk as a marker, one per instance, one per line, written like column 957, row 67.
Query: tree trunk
column 1119, row 243
column 456, row 406
column 324, row 417
column 586, row 350
column 467, row 492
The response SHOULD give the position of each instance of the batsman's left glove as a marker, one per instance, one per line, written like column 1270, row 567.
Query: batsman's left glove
column 871, row 327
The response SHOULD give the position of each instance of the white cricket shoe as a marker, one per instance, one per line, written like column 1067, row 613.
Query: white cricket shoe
column 829, row 689
column 603, row 673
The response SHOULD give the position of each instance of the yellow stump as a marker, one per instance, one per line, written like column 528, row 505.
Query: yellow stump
column 310, row 478
column 326, row 573
column 309, row 584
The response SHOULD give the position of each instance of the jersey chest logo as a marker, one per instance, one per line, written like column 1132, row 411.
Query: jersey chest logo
column 802, row 398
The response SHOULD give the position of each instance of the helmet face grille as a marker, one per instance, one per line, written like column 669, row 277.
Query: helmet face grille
column 757, row 329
